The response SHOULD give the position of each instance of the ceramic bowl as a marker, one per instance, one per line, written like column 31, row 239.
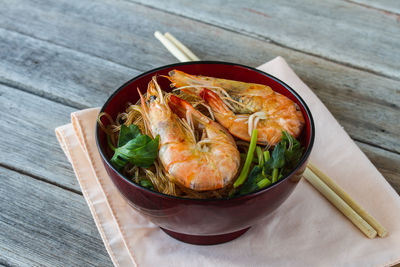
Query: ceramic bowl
column 209, row 221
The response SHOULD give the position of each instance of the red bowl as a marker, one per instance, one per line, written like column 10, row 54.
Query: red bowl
column 209, row 221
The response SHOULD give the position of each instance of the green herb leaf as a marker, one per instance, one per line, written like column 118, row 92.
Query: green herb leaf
column 260, row 156
column 134, row 147
column 254, row 177
column 282, row 160
column 146, row 183
column 292, row 154
column 140, row 151
column 118, row 162
column 278, row 155
column 263, row 183
column 275, row 173
column 266, row 156
column 128, row 133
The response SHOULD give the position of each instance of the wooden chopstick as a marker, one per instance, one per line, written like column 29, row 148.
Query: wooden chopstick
column 182, row 47
column 325, row 185
column 339, row 203
column 382, row 232
column 172, row 47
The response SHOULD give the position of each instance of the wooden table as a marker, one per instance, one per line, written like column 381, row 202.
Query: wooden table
column 64, row 55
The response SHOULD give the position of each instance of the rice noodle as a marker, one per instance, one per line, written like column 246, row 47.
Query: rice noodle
column 110, row 120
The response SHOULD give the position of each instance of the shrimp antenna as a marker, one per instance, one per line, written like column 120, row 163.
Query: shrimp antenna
column 144, row 110
column 290, row 138
column 159, row 91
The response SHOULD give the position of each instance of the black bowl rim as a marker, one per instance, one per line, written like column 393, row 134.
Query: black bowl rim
column 242, row 197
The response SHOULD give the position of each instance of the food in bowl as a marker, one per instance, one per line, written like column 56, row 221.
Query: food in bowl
column 205, row 219
column 170, row 143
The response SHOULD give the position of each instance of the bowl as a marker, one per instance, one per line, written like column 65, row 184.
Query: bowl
column 204, row 221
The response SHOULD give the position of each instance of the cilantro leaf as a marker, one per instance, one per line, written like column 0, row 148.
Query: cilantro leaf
column 278, row 155
column 250, row 184
column 135, row 148
column 127, row 133
column 293, row 153
column 277, row 159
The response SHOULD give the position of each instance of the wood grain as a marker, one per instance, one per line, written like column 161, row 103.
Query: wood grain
column 44, row 225
column 387, row 7
column 29, row 143
column 331, row 29
column 366, row 105
column 387, row 163
column 58, row 73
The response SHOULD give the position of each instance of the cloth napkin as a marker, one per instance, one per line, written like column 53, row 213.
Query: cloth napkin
column 305, row 231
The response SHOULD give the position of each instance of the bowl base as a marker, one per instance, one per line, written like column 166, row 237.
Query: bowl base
column 205, row 239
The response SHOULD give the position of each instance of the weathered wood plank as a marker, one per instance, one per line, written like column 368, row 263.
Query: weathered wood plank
column 58, row 73
column 388, row 7
column 368, row 106
column 116, row 31
column 333, row 29
column 43, row 225
column 28, row 140
column 387, row 163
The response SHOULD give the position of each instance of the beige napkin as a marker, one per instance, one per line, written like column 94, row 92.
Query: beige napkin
column 305, row 231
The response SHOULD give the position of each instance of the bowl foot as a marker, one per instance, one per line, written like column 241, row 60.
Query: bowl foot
column 205, row 239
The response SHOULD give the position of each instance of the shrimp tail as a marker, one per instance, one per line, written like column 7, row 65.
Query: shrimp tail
column 214, row 101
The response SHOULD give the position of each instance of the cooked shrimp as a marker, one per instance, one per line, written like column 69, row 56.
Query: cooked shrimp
column 240, row 107
column 209, row 164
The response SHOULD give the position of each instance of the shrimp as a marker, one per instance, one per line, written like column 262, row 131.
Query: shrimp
column 240, row 107
column 208, row 164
